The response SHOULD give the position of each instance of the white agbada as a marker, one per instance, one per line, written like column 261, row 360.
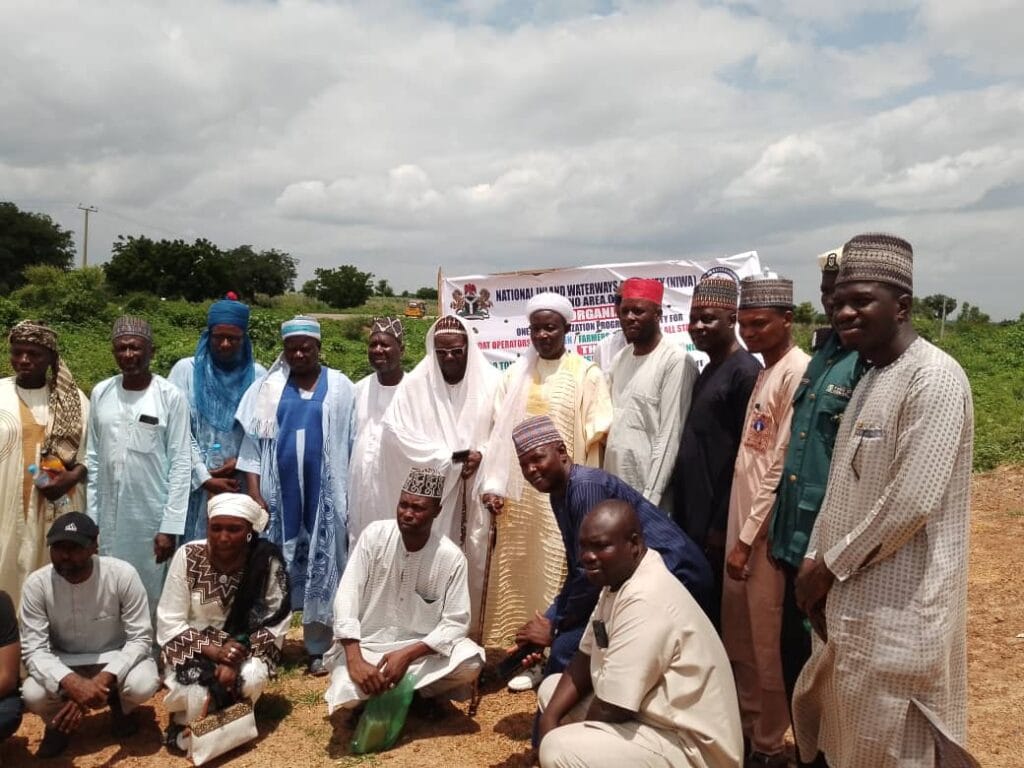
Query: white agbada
column 428, row 421
column 390, row 598
column 367, row 485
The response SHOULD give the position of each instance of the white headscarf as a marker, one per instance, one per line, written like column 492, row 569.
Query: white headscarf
column 239, row 505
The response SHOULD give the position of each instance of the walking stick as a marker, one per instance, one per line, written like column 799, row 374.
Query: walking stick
column 478, row 631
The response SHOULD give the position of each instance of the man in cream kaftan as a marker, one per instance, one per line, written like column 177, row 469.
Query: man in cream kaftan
column 553, row 381
column 891, row 680
column 753, row 589
column 38, row 413
column 390, row 598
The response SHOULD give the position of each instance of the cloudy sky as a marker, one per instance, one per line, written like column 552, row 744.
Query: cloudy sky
column 491, row 135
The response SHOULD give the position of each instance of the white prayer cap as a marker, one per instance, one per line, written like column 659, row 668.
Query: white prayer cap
column 240, row 505
column 555, row 302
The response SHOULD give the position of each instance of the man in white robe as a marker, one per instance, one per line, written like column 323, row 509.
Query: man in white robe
column 884, row 579
column 295, row 453
column 139, row 459
column 43, row 418
column 651, row 382
column 86, row 636
column 441, row 417
column 403, row 607
column 373, row 393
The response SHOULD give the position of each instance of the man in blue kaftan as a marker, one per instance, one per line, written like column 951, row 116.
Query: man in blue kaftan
column 213, row 383
column 298, row 423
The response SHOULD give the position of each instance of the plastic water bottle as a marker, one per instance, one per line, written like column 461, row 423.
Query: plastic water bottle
column 40, row 478
column 214, row 457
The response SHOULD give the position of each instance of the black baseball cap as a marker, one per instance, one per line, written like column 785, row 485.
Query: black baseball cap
column 75, row 527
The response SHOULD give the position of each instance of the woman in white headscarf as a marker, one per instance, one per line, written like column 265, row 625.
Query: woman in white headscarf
column 554, row 381
column 222, row 616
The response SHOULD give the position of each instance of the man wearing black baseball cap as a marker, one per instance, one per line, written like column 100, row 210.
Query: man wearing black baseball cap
column 86, row 636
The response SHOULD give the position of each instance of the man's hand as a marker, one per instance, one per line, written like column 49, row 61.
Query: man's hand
column 216, row 485
column 537, row 631
column 62, row 481
column 493, row 502
column 163, row 547
column 86, row 692
column 546, row 723
column 226, row 675
column 68, row 718
column 736, row 563
column 813, row 583
column 394, row 665
column 366, row 676
column 227, row 469
column 471, row 464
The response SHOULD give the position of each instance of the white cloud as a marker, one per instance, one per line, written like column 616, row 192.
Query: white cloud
column 347, row 132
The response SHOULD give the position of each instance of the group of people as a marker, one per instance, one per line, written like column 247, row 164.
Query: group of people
column 687, row 561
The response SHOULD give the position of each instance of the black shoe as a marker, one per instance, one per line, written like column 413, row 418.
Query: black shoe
column 54, row 743
column 762, row 760
column 171, row 738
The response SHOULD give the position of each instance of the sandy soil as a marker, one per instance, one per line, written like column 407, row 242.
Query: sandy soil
column 295, row 731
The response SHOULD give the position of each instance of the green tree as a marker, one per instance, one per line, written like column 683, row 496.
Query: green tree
column 940, row 305
column 169, row 268
column 344, row 286
column 57, row 295
column 972, row 315
column 30, row 238
column 269, row 272
column 427, row 294
column 804, row 313
column 383, row 288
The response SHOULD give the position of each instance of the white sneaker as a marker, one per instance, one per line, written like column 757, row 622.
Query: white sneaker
column 526, row 681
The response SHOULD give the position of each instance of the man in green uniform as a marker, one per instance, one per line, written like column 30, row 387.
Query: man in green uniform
column 818, row 406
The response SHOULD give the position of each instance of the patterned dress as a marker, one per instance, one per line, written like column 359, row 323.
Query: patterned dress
column 894, row 530
column 193, row 609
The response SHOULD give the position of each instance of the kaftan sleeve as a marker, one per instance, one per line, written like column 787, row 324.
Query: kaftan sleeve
column 92, row 459
column 138, row 628
column 764, row 498
column 249, row 449
column 349, row 596
column 178, row 640
column 596, row 415
column 42, row 664
column 454, row 623
column 180, row 376
column 929, row 442
column 676, row 385
column 179, row 454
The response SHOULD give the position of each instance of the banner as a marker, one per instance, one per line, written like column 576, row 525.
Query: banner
column 494, row 306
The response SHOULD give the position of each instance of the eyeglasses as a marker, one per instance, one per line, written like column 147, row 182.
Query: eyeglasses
column 454, row 354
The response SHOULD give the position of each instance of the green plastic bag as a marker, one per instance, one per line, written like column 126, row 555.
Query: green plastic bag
column 381, row 722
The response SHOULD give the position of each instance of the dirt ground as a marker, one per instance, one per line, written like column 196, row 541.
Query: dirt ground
column 295, row 731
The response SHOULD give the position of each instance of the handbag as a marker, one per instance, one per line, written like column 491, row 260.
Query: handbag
column 221, row 731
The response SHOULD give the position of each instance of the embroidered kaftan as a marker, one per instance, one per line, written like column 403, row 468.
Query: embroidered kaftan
column 894, row 529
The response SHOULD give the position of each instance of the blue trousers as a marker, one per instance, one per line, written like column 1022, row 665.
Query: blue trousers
column 10, row 715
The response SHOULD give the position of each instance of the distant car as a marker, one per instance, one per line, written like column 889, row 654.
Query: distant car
column 416, row 309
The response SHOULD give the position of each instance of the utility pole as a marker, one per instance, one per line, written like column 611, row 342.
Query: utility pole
column 87, row 209
column 942, row 324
